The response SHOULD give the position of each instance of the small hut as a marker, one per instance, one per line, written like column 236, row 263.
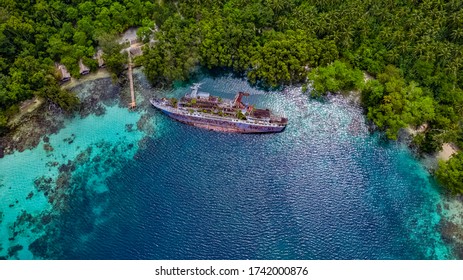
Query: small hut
column 65, row 75
column 135, row 51
column 129, row 36
column 99, row 57
column 84, row 70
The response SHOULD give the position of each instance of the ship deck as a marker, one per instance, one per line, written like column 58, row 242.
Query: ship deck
column 185, row 112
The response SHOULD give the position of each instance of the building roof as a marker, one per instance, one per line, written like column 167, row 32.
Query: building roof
column 99, row 57
column 203, row 95
column 135, row 50
column 65, row 75
column 129, row 35
column 82, row 68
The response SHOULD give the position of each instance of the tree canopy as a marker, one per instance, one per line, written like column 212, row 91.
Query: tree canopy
column 336, row 77
column 450, row 173
column 36, row 34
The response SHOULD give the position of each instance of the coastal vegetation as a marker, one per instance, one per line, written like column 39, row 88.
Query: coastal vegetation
column 413, row 52
column 112, row 54
column 335, row 77
column 450, row 173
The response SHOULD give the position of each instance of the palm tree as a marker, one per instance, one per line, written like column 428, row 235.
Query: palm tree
column 444, row 53
column 392, row 56
column 457, row 34
column 420, row 49
column 428, row 56
column 412, row 34
column 453, row 68
column 404, row 47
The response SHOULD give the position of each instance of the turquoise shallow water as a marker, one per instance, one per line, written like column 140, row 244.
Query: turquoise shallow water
column 323, row 189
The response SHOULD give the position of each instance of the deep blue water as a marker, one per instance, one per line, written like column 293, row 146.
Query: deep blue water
column 200, row 195
column 323, row 189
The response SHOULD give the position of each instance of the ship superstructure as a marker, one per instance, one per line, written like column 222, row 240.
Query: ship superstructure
column 203, row 110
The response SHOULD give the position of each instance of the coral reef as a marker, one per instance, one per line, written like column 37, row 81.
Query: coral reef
column 145, row 124
column 74, row 181
column 33, row 126
column 452, row 234
column 13, row 251
column 451, row 223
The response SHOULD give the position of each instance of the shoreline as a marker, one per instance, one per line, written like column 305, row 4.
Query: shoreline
column 101, row 73
column 430, row 161
column 35, row 120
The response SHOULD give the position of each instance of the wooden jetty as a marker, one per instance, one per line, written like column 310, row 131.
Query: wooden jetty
column 132, row 104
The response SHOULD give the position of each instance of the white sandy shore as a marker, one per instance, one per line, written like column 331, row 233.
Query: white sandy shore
column 33, row 104
column 431, row 161
column 414, row 131
column 448, row 150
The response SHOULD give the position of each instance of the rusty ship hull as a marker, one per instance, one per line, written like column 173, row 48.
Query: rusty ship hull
column 202, row 110
column 224, row 125
column 216, row 123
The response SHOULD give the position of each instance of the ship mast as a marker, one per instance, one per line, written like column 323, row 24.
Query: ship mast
column 194, row 92
column 237, row 101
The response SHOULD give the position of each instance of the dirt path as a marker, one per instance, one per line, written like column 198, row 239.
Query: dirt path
column 100, row 74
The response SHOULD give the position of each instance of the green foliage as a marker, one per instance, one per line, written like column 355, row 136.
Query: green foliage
column 145, row 32
column 90, row 63
column 450, row 173
column 65, row 99
column 115, row 60
column 176, row 53
column 401, row 104
column 284, row 57
column 372, row 93
column 335, row 77
column 240, row 115
column 174, row 102
column 369, row 56
column 3, row 121
column 35, row 34
column 428, row 142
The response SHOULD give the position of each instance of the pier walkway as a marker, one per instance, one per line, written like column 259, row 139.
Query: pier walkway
column 132, row 104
